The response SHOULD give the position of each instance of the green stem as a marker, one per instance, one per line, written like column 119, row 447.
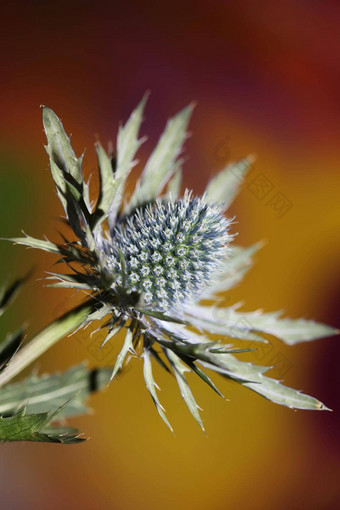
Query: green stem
column 45, row 339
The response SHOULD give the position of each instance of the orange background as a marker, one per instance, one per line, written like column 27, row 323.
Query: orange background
column 265, row 76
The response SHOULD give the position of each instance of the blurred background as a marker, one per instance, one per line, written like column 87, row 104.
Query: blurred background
column 265, row 77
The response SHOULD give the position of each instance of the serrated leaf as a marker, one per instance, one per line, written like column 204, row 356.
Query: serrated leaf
column 162, row 163
column 108, row 182
column 59, row 147
column 205, row 356
column 38, row 244
column 63, row 435
column 225, row 185
column 67, row 174
column 179, row 371
column 238, row 328
column 127, row 146
column 50, row 391
column 252, row 377
column 33, row 427
column 290, row 331
column 151, row 386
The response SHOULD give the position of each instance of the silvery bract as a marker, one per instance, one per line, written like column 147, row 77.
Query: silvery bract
column 149, row 260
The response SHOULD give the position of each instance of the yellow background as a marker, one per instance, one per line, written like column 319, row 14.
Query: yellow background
column 265, row 76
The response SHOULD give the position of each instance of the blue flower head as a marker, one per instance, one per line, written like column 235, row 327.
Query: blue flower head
column 168, row 251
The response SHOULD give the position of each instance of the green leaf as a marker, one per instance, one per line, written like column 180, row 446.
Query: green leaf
column 151, row 386
column 67, row 174
column 50, row 391
column 179, row 370
column 33, row 427
column 59, row 148
column 225, row 185
column 162, row 163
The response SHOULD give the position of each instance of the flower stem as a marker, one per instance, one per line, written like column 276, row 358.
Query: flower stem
column 45, row 339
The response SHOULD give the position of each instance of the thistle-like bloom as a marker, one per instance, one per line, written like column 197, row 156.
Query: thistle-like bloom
column 167, row 252
column 149, row 260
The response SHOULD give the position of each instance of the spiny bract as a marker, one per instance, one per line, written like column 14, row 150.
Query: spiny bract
column 149, row 260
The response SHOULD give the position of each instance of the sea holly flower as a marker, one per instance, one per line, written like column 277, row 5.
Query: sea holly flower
column 151, row 260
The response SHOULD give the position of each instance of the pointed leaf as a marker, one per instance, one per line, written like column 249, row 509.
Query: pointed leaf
column 184, row 387
column 39, row 244
column 108, row 182
column 202, row 375
column 252, row 377
column 232, row 327
column 290, row 331
column 123, row 353
column 127, row 146
column 59, row 147
column 162, row 162
column 225, row 185
column 50, row 391
column 151, row 386
column 33, row 427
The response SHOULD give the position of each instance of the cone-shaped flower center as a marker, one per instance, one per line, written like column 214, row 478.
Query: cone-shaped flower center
column 170, row 250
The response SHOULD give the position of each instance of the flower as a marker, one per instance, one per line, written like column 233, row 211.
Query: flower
column 149, row 261
column 167, row 252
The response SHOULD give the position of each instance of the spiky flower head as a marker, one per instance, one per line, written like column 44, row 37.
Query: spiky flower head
column 168, row 252
column 149, row 260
